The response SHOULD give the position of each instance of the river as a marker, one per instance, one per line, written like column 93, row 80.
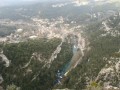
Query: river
column 61, row 73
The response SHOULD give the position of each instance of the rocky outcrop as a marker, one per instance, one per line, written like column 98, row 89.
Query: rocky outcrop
column 110, row 75
column 54, row 55
column 3, row 62
column 4, row 59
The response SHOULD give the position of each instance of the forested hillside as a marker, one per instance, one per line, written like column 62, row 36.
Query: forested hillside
column 27, row 68
column 100, row 66
column 60, row 44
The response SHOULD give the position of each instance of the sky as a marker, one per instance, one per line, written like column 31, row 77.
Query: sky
column 13, row 2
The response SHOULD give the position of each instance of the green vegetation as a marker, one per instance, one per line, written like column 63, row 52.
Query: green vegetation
column 94, row 86
column 35, row 76
column 12, row 87
column 28, row 59
column 93, row 61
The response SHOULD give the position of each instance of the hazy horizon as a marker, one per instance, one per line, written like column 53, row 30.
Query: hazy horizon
column 16, row 2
